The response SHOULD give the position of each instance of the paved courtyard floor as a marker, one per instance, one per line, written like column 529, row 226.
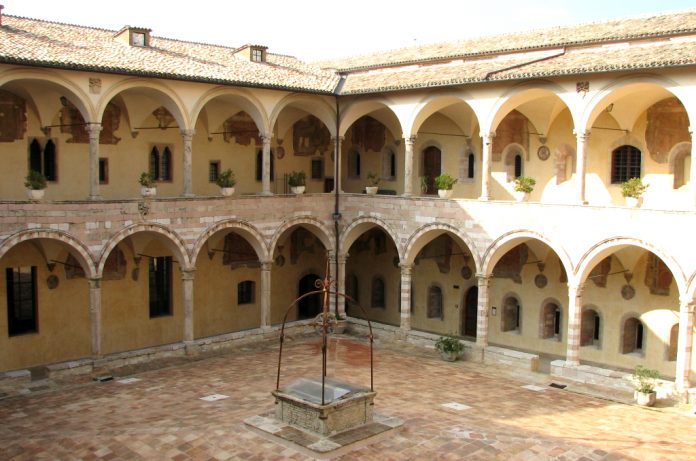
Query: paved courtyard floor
column 451, row 411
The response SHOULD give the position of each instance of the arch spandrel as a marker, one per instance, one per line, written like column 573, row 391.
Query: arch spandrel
column 318, row 228
column 250, row 233
column 425, row 234
column 361, row 225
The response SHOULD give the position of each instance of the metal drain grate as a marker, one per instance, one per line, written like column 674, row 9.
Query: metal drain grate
column 558, row 386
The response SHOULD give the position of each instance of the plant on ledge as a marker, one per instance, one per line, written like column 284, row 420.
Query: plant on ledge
column 35, row 180
column 226, row 179
column 373, row 179
column 524, row 184
column 445, row 182
column 644, row 382
column 297, row 178
column 634, row 187
column 450, row 347
column 146, row 180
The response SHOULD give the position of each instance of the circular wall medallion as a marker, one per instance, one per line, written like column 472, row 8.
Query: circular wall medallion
column 540, row 281
column 466, row 273
column 280, row 152
column 628, row 292
column 543, row 152
column 52, row 281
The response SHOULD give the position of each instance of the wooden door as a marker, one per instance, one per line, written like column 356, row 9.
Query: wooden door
column 432, row 167
column 469, row 318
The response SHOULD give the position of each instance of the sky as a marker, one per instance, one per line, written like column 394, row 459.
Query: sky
column 321, row 29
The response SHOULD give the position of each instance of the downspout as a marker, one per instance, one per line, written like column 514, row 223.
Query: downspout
column 526, row 63
column 337, row 185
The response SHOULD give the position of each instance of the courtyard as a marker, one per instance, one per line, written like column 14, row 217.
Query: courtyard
column 452, row 411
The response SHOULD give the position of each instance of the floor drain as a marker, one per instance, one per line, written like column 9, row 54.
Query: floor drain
column 558, row 386
column 103, row 378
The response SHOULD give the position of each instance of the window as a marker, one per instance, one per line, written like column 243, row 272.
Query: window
column 551, row 322
column 103, row 171
column 317, row 168
column 389, row 165
column 246, row 292
column 435, row 302
column 625, row 164
column 213, row 171
column 160, row 289
column 632, row 340
column 590, row 328
column 518, row 166
column 470, row 167
column 510, row 318
column 138, row 39
column 257, row 55
column 354, row 164
column 259, row 165
column 378, row 293
column 21, row 300
column 673, row 342
column 161, row 163
column 42, row 158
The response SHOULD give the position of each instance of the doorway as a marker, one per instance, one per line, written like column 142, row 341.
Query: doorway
column 432, row 167
column 309, row 307
column 469, row 318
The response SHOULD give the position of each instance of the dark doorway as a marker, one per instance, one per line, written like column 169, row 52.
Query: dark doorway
column 310, row 306
column 432, row 167
column 469, row 318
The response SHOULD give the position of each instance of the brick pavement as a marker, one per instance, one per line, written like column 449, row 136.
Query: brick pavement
column 161, row 416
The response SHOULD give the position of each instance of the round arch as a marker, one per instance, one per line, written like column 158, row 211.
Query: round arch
column 76, row 95
column 243, row 98
column 172, row 240
column 423, row 235
column 318, row 228
column 171, row 100
column 361, row 225
column 437, row 101
column 509, row 240
column 319, row 108
column 609, row 246
column 352, row 112
column 80, row 251
column 243, row 228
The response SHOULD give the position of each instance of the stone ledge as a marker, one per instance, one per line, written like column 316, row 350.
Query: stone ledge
column 494, row 355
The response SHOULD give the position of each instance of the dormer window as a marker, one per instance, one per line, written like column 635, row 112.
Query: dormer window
column 257, row 55
column 134, row 36
column 253, row 53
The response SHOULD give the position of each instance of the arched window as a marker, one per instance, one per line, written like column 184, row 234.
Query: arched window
column 435, row 302
column 354, row 164
column 514, row 161
column 470, row 170
column 673, row 342
column 518, row 165
column 166, row 165
column 510, row 318
column 625, row 164
column 389, row 165
column 259, row 165
column 155, row 163
column 43, row 159
column 590, row 327
column 246, row 292
column 378, row 293
column 633, row 336
column 551, row 322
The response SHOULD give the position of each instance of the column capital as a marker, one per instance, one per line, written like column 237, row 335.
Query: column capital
column 581, row 135
column 187, row 134
column 406, row 268
column 188, row 274
column 266, row 265
column 411, row 140
column 95, row 282
column 93, row 129
column 487, row 136
column 342, row 258
column 340, row 139
column 484, row 278
column 578, row 289
column 266, row 138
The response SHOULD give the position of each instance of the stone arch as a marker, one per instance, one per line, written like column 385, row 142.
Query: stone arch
column 423, row 235
column 437, row 101
column 171, row 100
column 676, row 163
column 321, row 231
column 245, row 99
column 609, row 246
column 80, row 251
column 78, row 97
column 319, row 108
column 620, row 87
column 353, row 111
column 171, row 239
column 509, row 240
column 245, row 229
column 361, row 225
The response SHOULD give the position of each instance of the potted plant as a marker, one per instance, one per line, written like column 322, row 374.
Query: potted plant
column 423, row 184
column 644, row 382
column 373, row 181
column 226, row 182
column 444, row 184
column 296, row 181
column 35, row 182
column 632, row 190
column 450, row 348
column 524, row 186
column 147, row 184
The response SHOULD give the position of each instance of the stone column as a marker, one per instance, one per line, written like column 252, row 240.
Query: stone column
column 484, row 284
column 187, row 277
column 487, row 139
column 266, row 267
column 684, row 343
column 341, row 284
column 406, row 270
column 94, row 129
column 574, row 321
column 266, row 166
column 338, row 183
column 188, row 164
column 692, row 171
column 580, row 162
column 95, row 315
column 408, row 165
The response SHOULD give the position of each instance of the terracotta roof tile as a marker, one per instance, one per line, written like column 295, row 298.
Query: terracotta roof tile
column 30, row 41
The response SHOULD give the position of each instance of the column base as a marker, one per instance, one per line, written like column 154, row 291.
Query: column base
column 189, row 194
column 266, row 193
column 485, row 198
column 94, row 197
